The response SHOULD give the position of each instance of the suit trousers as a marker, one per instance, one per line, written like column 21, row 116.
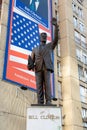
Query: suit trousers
column 43, row 86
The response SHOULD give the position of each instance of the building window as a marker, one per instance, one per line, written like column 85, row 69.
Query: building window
column 74, row 7
column 75, row 22
column 84, row 117
column 81, row 56
column 80, row 39
column 56, row 2
column 78, row 54
column 77, row 37
column 77, row 10
column 83, row 41
column 83, row 94
column 81, row 26
column 80, row 12
column 81, row 73
column 59, row 69
column 58, row 50
column 85, row 73
column 56, row 15
column 59, row 90
column 84, row 59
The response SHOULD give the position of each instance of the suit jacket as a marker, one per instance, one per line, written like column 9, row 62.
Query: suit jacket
column 42, row 55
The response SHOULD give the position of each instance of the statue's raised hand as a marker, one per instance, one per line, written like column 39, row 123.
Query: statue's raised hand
column 54, row 21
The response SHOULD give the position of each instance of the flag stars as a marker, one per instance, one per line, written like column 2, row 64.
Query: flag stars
column 18, row 30
column 25, row 39
column 37, row 44
column 12, row 41
column 32, row 41
column 30, row 28
column 19, row 36
column 35, row 25
column 15, row 39
column 36, row 37
column 28, row 37
column 36, row 31
column 27, row 30
column 21, row 27
column 20, row 21
column 15, row 31
column 31, row 35
column 27, row 24
column 19, row 44
column 24, row 19
column 24, row 26
column 17, row 16
column 14, row 25
column 25, row 33
column 26, row 46
column 29, row 44
column 22, row 41
column 22, row 34
column 14, row 18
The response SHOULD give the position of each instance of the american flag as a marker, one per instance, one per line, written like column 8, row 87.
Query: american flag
column 24, row 37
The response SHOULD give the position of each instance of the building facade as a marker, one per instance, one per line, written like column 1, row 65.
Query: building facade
column 70, row 57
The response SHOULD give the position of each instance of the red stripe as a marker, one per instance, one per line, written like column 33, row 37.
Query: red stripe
column 21, row 77
column 45, row 29
column 18, row 54
column 18, row 65
column 48, row 38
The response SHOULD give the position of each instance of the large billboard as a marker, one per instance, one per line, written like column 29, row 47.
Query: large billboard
column 26, row 20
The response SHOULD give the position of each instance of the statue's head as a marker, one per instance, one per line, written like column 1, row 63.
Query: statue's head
column 43, row 37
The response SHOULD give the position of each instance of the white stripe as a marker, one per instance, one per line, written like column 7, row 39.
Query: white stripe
column 26, row 71
column 41, row 30
column 21, row 50
column 18, row 60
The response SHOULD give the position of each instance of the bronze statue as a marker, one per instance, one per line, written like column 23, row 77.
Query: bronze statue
column 41, row 56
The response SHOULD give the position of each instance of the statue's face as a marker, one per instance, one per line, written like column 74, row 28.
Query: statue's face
column 43, row 37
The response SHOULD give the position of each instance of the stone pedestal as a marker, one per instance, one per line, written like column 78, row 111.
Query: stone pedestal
column 44, row 118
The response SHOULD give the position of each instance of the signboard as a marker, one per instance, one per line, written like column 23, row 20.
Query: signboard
column 43, row 118
column 26, row 20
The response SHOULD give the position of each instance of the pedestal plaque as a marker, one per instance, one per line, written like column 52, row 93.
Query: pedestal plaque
column 44, row 118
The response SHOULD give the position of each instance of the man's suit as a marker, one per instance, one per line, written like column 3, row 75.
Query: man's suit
column 41, row 56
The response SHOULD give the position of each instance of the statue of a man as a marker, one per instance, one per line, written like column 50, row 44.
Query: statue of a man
column 42, row 58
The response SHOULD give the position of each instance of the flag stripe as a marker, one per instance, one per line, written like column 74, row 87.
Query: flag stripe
column 18, row 59
column 20, row 50
column 21, row 77
column 18, row 54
